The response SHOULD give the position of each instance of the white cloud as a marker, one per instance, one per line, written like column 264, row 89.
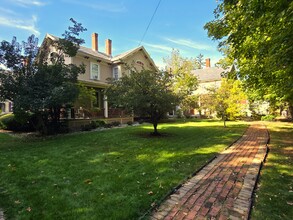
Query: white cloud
column 190, row 43
column 159, row 48
column 7, row 11
column 100, row 6
column 28, row 25
column 26, row 3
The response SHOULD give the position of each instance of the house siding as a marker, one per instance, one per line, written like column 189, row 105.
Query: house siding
column 105, row 69
column 132, row 62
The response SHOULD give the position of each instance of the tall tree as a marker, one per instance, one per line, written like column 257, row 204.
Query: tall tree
column 200, row 61
column 259, row 36
column 183, row 81
column 40, row 82
column 147, row 93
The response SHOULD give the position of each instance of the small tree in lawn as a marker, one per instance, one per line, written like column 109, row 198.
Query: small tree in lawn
column 39, row 82
column 147, row 93
column 228, row 100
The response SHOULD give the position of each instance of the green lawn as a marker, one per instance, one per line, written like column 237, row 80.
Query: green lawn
column 274, row 198
column 111, row 174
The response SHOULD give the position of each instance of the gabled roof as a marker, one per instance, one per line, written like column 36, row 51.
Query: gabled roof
column 85, row 50
column 210, row 74
column 107, row 58
column 95, row 54
column 128, row 53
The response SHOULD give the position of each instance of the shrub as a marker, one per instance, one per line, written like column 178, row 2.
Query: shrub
column 115, row 123
column 9, row 122
column 129, row 123
column 268, row 118
column 94, row 124
column 108, row 126
column 2, row 126
column 100, row 123
column 86, row 127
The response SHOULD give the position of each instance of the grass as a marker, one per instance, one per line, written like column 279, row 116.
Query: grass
column 274, row 197
column 110, row 174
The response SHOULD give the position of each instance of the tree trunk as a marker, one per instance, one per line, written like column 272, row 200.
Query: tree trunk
column 290, row 111
column 41, row 125
column 224, row 120
column 155, row 124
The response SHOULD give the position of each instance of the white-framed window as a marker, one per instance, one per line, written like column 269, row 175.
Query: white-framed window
column 116, row 72
column 95, row 71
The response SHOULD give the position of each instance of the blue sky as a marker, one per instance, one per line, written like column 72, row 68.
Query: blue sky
column 177, row 24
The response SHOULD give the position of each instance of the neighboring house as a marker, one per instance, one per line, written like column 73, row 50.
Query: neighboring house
column 208, row 78
column 102, row 65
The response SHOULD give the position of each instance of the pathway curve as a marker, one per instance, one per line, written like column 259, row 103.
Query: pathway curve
column 223, row 189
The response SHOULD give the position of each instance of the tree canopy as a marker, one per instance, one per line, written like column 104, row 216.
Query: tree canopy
column 257, row 35
column 146, row 93
column 38, row 81
column 229, row 100
column 180, row 68
column 183, row 81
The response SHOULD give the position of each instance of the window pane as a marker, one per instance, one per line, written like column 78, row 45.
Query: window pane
column 115, row 73
column 95, row 71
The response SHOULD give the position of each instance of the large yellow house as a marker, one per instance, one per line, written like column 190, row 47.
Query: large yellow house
column 103, row 65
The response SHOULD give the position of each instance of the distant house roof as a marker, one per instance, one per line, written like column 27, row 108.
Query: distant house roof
column 210, row 74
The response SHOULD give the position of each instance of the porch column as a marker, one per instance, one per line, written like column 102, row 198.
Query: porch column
column 6, row 107
column 105, row 107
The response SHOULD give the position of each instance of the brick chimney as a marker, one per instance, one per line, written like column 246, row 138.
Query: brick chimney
column 95, row 41
column 108, row 47
column 208, row 63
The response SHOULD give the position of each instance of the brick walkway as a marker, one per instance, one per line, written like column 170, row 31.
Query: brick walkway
column 222, row 189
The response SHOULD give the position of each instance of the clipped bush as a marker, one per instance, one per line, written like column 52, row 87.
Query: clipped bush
column 8, row 122
column 268, row 118
column 115, row 123
column 94, row 124
column 100, row 123
column 108, row 125
column 86, row 127
column 129, row 123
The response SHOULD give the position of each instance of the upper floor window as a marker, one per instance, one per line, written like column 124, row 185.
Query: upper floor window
column 116, row 73
column 95, row 71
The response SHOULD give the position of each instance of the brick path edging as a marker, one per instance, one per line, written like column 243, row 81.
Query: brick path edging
column 258, row 175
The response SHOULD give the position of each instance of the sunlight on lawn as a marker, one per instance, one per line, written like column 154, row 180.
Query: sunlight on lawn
column 104, row 173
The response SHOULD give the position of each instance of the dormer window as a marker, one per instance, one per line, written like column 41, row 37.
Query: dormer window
column 95, row 71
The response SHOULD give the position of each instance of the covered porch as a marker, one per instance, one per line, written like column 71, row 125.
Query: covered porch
column 96, row 107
